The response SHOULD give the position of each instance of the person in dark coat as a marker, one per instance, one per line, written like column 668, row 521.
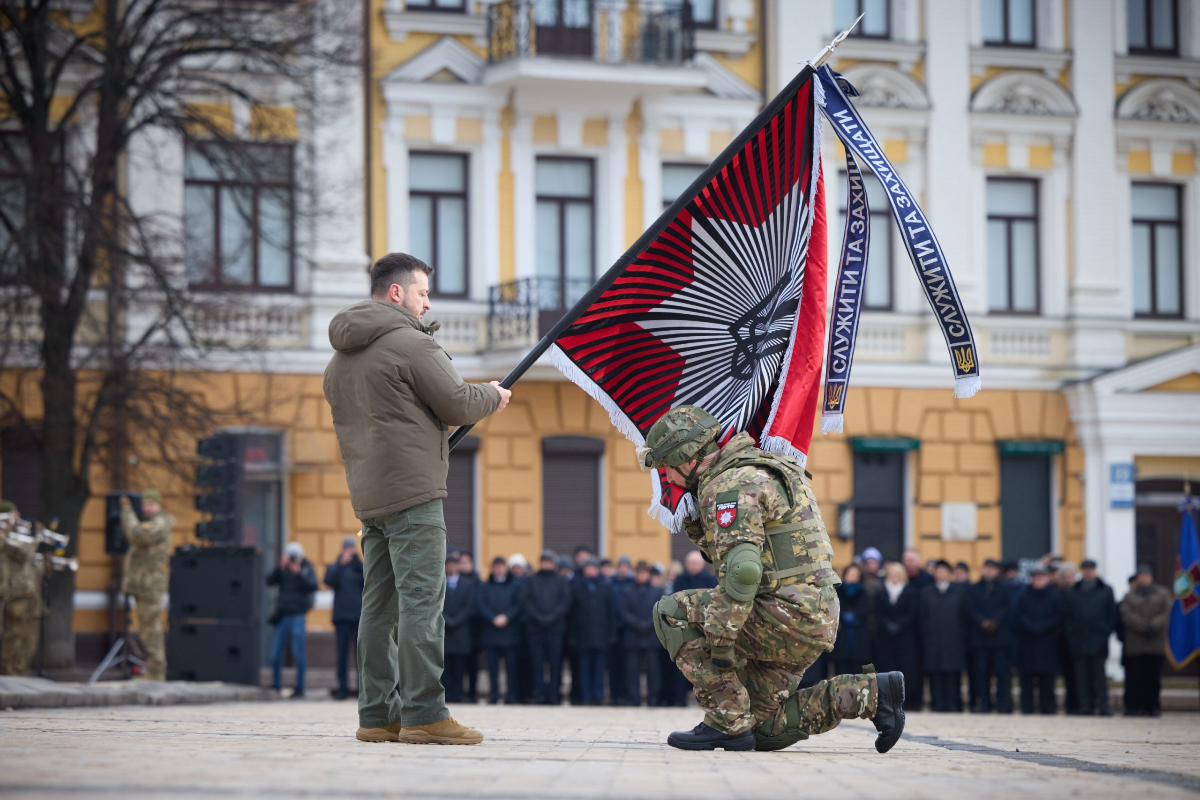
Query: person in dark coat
column 466, row 571
column 616, row 651
column 1146, row 611
column 638, row 637
column 458, row 613
column 498, row 607
column 943, row 635
column 297, row 582
column 696, row 575
column 345, row 577
column 1038, row 622
column 897, row 642
column 590, row 629
column 852, row 648
column 1089, row 614
column 545, row 604
column 1065, row 578
column 988, row 609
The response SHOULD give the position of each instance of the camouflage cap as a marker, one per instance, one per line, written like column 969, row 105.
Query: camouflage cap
column 152, row 494
column 677, row 437
column 6, row 506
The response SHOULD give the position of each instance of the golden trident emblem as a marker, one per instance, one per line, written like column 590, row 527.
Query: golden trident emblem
column 965, row 358
column 835, row 395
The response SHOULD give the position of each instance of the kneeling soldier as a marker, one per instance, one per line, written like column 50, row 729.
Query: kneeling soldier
column 745, row 644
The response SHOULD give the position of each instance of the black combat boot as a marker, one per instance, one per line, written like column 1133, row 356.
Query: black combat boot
column 889, row 710
column 703, row 737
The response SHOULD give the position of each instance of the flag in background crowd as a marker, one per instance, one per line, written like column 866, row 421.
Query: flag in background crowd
column 725, row 298
column 1183, row 635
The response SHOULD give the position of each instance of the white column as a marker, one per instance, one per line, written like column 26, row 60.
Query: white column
column 802, row 28
column 339, row 202
column 650, row 169
column 1099, row 285
column 487, row 216
column 395, row 165
column 949, row 198
column 610, row 199
column 524, row 202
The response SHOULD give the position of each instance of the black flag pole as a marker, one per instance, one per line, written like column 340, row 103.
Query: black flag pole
column 665, row 219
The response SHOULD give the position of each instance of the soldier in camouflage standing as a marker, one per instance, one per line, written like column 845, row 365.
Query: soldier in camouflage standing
column 8, row 516
column 145, row 578
column 745, row 644
column 24, row 570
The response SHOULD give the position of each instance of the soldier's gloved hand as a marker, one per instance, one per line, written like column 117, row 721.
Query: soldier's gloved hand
column 724, row 658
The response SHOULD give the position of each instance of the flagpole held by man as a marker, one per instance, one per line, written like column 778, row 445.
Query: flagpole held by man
column 393, row 391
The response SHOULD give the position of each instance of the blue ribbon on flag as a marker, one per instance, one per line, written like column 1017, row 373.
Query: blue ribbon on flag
column 847, row 298
column 915, row 231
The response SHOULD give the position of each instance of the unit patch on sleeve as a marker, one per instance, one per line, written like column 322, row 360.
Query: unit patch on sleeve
column 726, row 509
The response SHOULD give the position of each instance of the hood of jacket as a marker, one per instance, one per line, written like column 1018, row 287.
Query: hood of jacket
column 356, row 327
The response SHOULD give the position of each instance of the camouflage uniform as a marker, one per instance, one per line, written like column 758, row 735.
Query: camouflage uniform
column 25, row 569
column 746, row 496
column 145, row 580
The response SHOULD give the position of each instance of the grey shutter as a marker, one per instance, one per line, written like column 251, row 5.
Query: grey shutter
column 879, row 503
column 571, row 493
column 459, row 506
column 1024, row 506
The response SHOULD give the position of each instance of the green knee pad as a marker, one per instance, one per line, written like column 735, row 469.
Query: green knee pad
column 791, row 734
column 672, row 637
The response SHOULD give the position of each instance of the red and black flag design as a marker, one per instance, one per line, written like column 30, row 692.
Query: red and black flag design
column 703, row 308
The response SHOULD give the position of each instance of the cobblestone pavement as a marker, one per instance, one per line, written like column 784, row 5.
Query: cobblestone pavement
column 307, row 749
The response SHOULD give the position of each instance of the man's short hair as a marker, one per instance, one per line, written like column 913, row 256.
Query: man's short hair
column 395, row 268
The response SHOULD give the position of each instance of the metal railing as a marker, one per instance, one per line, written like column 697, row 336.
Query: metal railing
column 521, row 311
column 609, row 31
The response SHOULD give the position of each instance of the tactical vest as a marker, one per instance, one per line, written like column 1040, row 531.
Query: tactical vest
column 798, row 547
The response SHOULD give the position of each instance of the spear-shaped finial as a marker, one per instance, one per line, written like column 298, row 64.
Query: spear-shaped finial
column 829, row 48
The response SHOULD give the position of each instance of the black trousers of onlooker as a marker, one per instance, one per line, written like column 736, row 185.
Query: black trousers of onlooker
column 1091, row 686
column 493, row 656
column 616, row 675
column 591, row 675
column 992, row 662
column 945, row 691
column 1066, row 663
column 1047, row 703
column 452, row 676
column 635, row 657
column 1143, row 684
column 347, row 640
column 473, row 675
column 546, row 653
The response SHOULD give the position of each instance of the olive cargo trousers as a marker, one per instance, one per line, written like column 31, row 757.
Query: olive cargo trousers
column 401, row 633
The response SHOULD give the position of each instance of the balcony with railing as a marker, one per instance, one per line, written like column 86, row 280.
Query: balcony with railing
column 616, row 45
column 609, row 31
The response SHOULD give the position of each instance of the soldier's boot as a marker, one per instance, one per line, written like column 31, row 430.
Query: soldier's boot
column 388, row 733
column 889, row 710
column 704, row 737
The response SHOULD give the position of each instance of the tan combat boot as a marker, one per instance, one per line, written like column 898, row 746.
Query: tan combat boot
column 389, row 733
column 445, row 731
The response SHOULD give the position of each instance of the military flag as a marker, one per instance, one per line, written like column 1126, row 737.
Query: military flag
column 1183, row 634
column 722, row 304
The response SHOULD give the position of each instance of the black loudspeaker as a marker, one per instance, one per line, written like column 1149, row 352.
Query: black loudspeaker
column 221, row 583
column 114, row 535
column 217, row 651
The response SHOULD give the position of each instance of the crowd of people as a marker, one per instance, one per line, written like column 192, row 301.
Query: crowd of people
column 931, row 622
column 591, row 615
column 590, row 619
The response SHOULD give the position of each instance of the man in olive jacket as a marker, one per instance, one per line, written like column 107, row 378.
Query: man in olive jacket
column 1145, row 612
column 393, row 392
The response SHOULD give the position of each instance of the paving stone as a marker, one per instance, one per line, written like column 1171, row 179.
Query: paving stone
column 307, row 749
